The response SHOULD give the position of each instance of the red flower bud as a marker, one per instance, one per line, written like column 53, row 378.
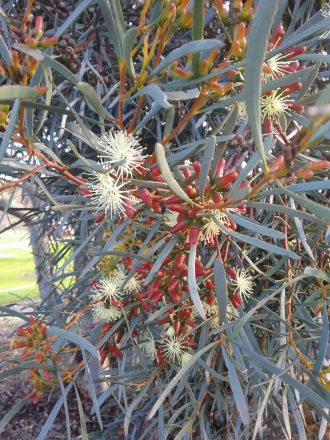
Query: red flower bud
column 146, row 306
column 99, row 218
column 294, row 51
column 39, row 24
column 268, row 125
column 178, row 227
column 176, row 326
column 145, row 196
column 156, row 207
column 209, row 284
column 296, row 106
column 186, row 172
column 236, row 300
column 228, row 179
column 292, row 88
column 197, row 168
column 177, row 208
column 157, row 297
column 155, row 171
column 220, row 168
column 180, row 259
column 190, row 190
column 193, row 235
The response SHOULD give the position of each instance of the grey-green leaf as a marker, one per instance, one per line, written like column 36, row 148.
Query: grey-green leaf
column 255, row 55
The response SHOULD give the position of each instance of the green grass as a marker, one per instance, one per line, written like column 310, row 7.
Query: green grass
column 17, row 275
column 17, row 270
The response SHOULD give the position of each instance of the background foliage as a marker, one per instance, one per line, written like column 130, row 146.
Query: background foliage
column 235, row 97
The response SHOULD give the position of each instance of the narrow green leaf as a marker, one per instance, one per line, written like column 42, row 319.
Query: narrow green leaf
column 134, row 404
column 161, row 257
column 4, row 51
column 258, row 243
column 284, row 210
column 12, row 413
column 114, row 27
column 220, row 284
column 92, row 99
column 305, row 392
column 227, row 129
column 167, row 173
column 11, row 312
column 178, row 377
column 313, row 272
column 256, row 227
column 321, row 211
column 72, row 17
column 128, row 42
column 10, row 128
column 185, row 49
column 236, row 389
column 192, row 285
column 255, row 55
column 251, row 164
column 52, row 416
column 156, row 94
column 82, row 418
column 9, row 93
column 48, row 61
column 301, row 231
column 73, row 337
column 324, row 341
column 197, row 32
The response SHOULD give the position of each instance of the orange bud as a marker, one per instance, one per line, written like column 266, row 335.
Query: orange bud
column 15, row 60
column 221, row 9
column 186, row 20
column 32, row 65
column 278, row 162
column 304, row 174
column 240, row 35
column 31, row 42
column 48, row 42
column 41, row 89
column 319, row 165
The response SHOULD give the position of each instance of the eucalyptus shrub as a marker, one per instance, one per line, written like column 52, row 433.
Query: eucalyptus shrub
column 179, row 150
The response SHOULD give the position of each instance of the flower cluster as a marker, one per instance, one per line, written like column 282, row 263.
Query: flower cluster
column 121, row 157
column 37, row 347
column 199, row 222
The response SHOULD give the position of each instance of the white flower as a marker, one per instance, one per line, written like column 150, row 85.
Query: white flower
column 173, row 349
column 274, row 105
column 243, row 283
column 105, row 312
column 170, row 218
column 134, row 283
column 121, row 152
column 210, row 228
column 107, row 289
column 108, row 193
column 276, row 67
